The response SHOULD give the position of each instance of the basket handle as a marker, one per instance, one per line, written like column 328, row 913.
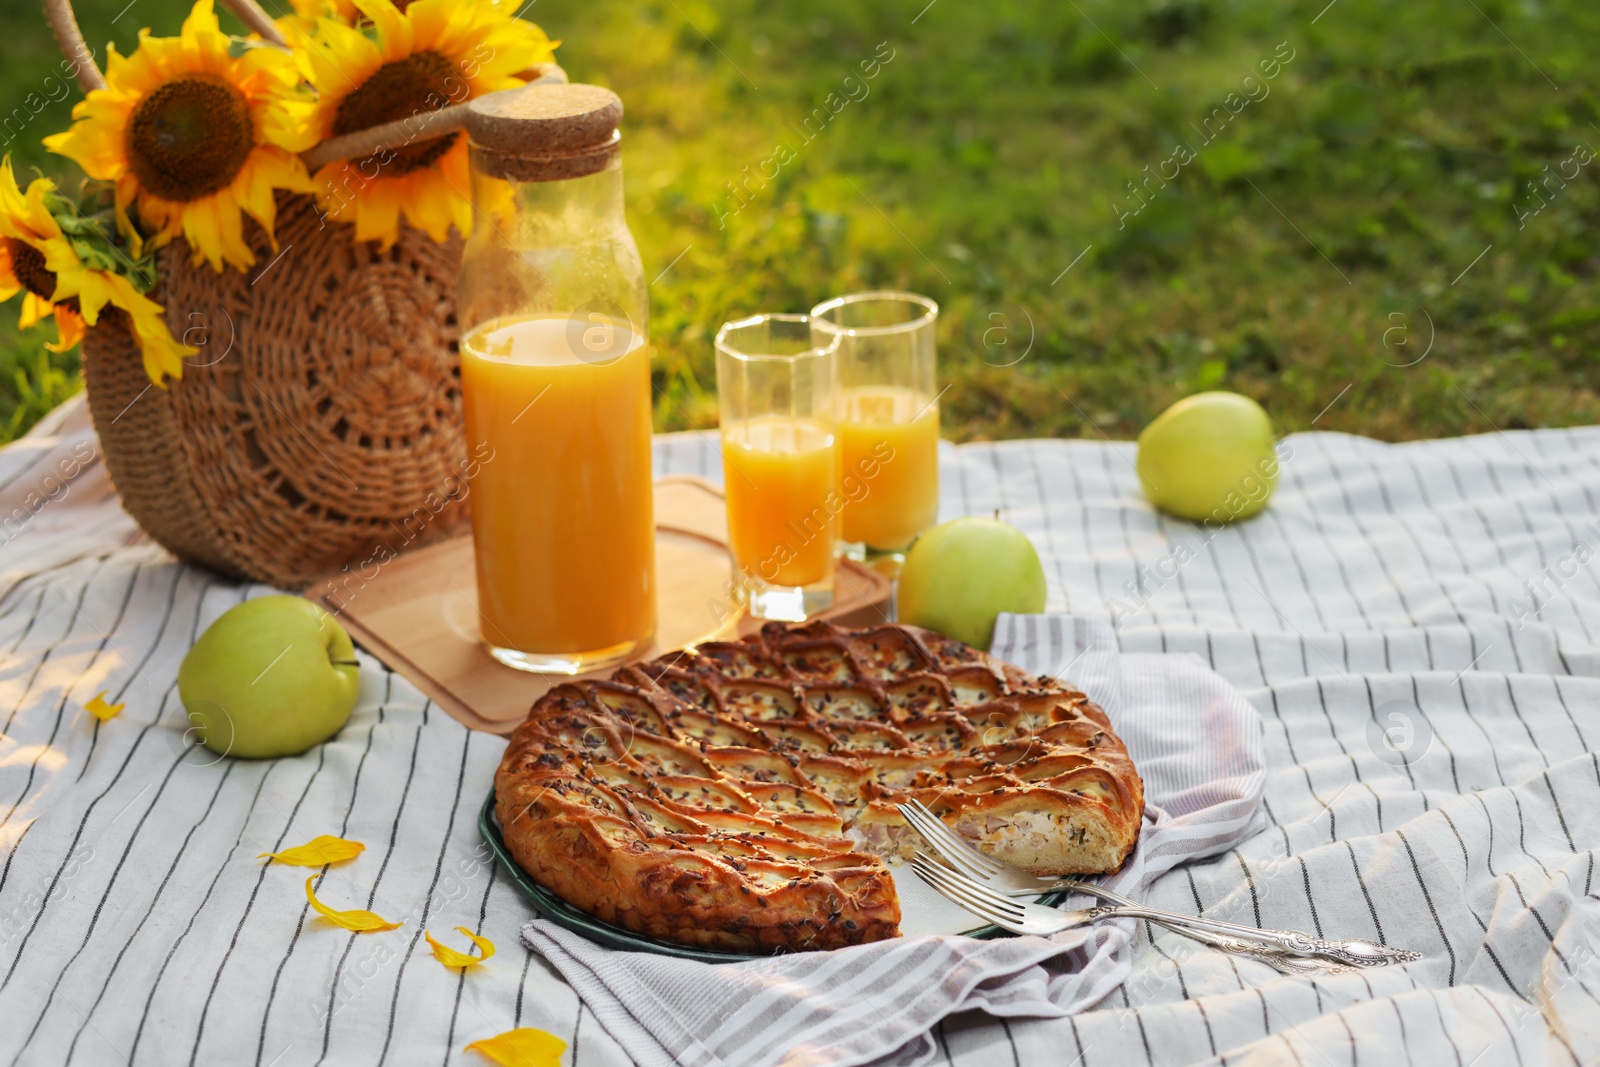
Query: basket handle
column 69, row 38
column 357, row 145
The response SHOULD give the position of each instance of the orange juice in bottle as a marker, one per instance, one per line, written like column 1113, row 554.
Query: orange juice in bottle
column 555, row 382
column 561, row 509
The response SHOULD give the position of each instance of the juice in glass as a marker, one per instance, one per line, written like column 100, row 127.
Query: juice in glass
column 887, row 410
column 780, row 463
column 779, row 475
column 888, row 464
column 561, row 502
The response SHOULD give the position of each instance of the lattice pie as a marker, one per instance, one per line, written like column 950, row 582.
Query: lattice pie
column 742, row 797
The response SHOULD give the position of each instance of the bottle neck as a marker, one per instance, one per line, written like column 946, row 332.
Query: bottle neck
column 547, row 214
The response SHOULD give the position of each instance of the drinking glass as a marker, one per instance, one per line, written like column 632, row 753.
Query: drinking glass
column 887, row 415
column 780, row 463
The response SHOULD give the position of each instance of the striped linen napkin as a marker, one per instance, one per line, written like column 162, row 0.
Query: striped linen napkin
column 1196, row 742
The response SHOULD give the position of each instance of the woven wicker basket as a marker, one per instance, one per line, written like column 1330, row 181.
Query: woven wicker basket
column 322, row 419
column 321, row 425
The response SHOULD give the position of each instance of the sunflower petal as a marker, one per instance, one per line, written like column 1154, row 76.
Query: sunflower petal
column 318, row 852
column 69, row 330
column 525, row 1047
column 355, row 919
column 451, row 958
column 101, row 710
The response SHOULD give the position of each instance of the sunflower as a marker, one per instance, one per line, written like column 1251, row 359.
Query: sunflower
column 42, row 262
column 429, row 55
column 302, row 21
column 195, row 134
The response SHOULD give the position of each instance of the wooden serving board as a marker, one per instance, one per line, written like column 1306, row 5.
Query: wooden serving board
column 419, row 613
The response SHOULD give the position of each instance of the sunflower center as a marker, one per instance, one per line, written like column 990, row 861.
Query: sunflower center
column 417, row 84
column 27, row 265
column 190, row 137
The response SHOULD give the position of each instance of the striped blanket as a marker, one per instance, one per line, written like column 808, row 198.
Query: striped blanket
column 1412, row 624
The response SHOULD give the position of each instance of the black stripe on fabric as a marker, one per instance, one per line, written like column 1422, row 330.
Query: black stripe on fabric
column 1516, row 708
column 1372, row 714
column 1514, row 1048
column 261, row 875
column 244, row 824
column 1522, row 836
column 1349, row 1034
column 72, row 847
column 1555, row 683
column 1250, row 880
column 33, row 617
column 461, row 981
column 1056, row 561
column 1422, row 554
column 1016, row 1060
column 427, row 901
column 1077, row 1039
column 1433, row 998
column 144, row 661
column 1489, row 742
column 1416, row 701
column 99, row 908
column 1290, row 1046
column 1561, row 957
column 177, row 857
column 938, row 1039
column 1311, row 901
column 1144, row 1038
column 1365, row 893
column 1333, row 555
column 1305, row 579
column 344, row 828
column 1427, row 898
column 522, row 983
column 6, row 872
column 66, row 693
column 1371, row 543
column 372, row 895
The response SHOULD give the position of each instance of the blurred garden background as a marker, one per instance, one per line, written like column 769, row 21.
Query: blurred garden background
column 1385, row 223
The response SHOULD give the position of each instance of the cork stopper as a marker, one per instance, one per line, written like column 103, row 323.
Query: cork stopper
column 544, row 132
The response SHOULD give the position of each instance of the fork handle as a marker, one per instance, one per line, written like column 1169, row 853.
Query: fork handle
column 1353, row 952
column 1268, row 953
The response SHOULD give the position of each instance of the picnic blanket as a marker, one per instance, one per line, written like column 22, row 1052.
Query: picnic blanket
column 1411, row 622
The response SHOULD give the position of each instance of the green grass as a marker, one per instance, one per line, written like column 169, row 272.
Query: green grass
column 1326, row 223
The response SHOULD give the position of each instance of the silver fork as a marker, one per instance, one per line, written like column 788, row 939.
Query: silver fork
column 1025, row 917
column 1001, row 878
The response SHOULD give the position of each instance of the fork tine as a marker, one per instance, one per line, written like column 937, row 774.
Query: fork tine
column 948, row 837
column 969, row 894
column 981, row 892
column 946, row 841
column 943, row 883
column 956, row 858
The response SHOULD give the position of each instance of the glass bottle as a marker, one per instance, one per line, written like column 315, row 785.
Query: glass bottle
column 555, row 377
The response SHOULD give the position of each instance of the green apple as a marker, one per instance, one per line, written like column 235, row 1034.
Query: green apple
column 962, row 574
column 271, row 677
column 1209, row 457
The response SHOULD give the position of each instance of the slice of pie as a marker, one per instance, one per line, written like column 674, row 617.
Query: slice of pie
column 742, row 796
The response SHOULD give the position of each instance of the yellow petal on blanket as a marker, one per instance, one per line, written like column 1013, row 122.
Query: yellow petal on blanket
column 98, row 707
column 360, row 921
column 451, row 958
column 526, row 1047
column 318, row 852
